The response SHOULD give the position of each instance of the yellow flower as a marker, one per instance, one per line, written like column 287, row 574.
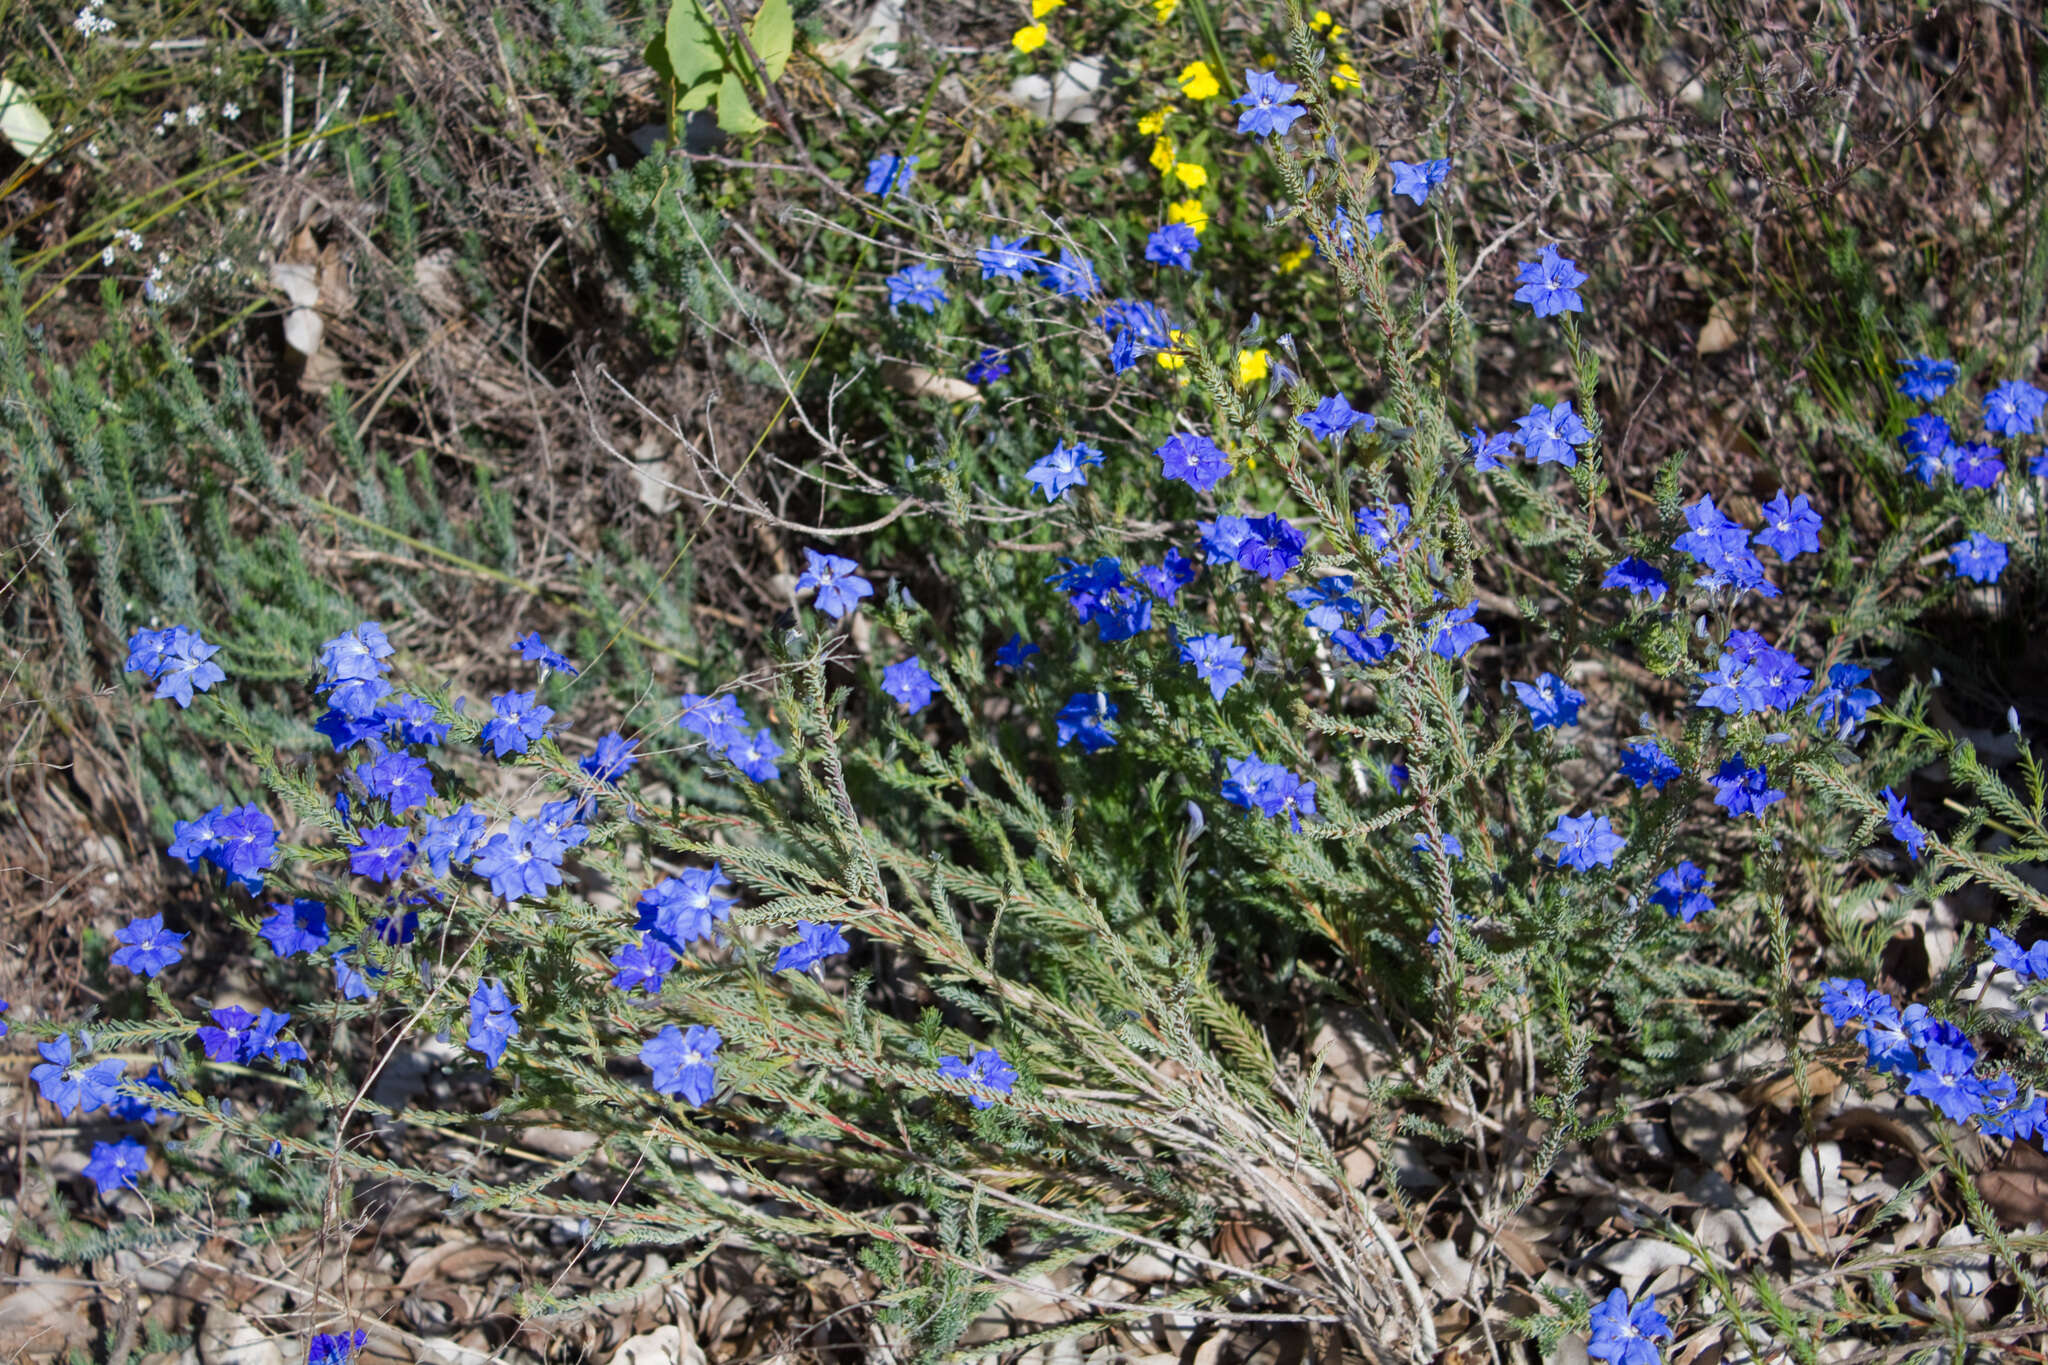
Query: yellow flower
column 1190, row 175
column 1164, row 9
column 1251, row 365
column 1030, row 38
column 1041, row 8
column 1336, row 32
column 1294, row 260
column 1154, row 123
column 1321, row 21
column 1345, row 77
column 1197, row 82
column 1162, row 154
column 1168, row 361
column 1189, row 211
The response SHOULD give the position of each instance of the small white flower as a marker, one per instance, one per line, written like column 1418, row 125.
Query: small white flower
column 133, row 239
column 195, row 114
column 230, row 111
column 92, row 149
column 107, row 256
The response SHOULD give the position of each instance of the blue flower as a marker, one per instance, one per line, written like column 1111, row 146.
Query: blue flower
column 989, row 368
column 1549, row 434
column 356, row 653
column 451, row 838
column 1269, row 789
column 683, row 1063
column 398, row 930
column 687, row 907
column 1585, row 841
column 1551, row 701
column 384, row 853
column 1843, row 703
column 1223, row 537
column 493, row 1022
column 889, row 174
column 1622, row 1333
column 1218, row 661
column 1084, row 720
column 353, row 983
column 755, row 757
column 1065, row 467
column 413, row 717
column 75, row 1085
column 1975, row 465
column 814, row 943
column 1265, row 106
column 1173, row 245
column 300, row 927
column 1645, row 763
column 1334, row 416
column 917, row 285
column 643, row 965
column 1001, row 260
column 1949, row 1083
column 838, row 581
column 1341, row 233
column 1979, row 558
column 1272, row 547
column 1489, row 452
column 1196, row 461
column 1014, row 654
column 1683, row 891
column 128, row 1108
column 1846, row 998
column 176, row 659
column 1417, row 178
column 1903, row 827
column 1364, row 647
column 398, row 779
column 2028, row 964
column 909, row 683
column 1926, row 434
column 2014, row 408
column 1742, row 790
column 1165, row 579
column 1071, row 276
column 1327, row 604
column 1924, row 379
column 147, row 947
column 1722, row 548
column 1639, row 577
column 225, row 1039
column 117, row 1164
column 1550, row 284
column 196, row 841
column 1454, row 632
column 149, row 650
column 717, row 718
column 518, row 719
column 1382, row 525
column 1453, row 847
column 1791, row 528
column 988, row 1071
column 613, row 757
column 514, row 867
column 534, row 650
column 334, row 1348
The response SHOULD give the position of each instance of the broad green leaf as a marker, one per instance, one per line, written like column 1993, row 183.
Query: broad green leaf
column 697, row 96
column 692, row 55
column 735, row 115
column 772, row 33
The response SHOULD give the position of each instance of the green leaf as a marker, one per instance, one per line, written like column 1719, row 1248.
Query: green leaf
column 772, row 33
column 692, row 54
column 735, row 115
column 697, row 96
